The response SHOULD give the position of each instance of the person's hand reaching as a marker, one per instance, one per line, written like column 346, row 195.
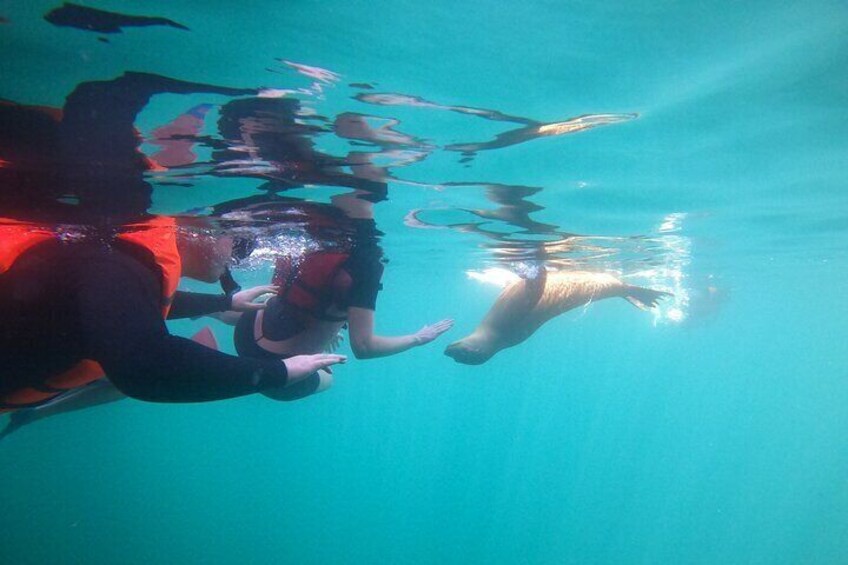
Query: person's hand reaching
column 431, row 332
column 301, row 366
column 243, row 301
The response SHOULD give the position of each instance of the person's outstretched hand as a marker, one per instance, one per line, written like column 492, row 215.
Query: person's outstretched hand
column 301, row 366
column 431, row 332
column 243, row 301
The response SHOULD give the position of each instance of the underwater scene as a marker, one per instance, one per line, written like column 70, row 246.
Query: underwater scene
column 424, row 283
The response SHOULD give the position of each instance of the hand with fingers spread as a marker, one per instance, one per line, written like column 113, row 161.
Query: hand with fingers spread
column 243, row 301
column 431, row 332
column 301, row 366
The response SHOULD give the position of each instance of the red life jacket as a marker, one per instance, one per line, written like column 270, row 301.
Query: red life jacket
column 308, row 284
column 157, row 235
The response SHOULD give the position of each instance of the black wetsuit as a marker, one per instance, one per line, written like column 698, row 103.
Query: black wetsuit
column 60, row 304
column 282, row 320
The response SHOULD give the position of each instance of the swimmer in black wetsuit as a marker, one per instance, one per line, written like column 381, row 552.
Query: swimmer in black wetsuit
column 316, row 291
column 70, row 307
column 322, row 292
column 269, row 138
column 64, row 303
column 88, row 300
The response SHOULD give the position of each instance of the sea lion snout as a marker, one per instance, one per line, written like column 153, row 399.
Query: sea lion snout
column 463, row 352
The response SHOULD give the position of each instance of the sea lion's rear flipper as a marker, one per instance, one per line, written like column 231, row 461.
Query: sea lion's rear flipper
column 643, row 298
column 206, row 337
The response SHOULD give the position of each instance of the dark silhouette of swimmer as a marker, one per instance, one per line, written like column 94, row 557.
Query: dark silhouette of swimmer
column 63, row 304
column 100, row 144
column 80, row 301
column 101, row 21
column 88, row 151
column 525, row 305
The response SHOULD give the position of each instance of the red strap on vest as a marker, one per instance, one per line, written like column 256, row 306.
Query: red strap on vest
column 305, row 284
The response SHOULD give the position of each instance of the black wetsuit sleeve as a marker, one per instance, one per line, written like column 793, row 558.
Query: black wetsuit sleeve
column 366, row 284
column 125, row 333
column 194, row 304
column 365, row 266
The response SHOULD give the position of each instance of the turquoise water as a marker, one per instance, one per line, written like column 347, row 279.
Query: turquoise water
column 712, row 432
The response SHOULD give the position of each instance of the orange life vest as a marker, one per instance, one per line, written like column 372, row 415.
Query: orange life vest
column 157, row 235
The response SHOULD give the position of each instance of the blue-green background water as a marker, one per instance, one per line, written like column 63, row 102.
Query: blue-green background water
column 607, row 437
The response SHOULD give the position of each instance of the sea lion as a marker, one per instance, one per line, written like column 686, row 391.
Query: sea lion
column 528, row 303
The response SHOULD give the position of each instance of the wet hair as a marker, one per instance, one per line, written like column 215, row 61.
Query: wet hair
column 243, row 246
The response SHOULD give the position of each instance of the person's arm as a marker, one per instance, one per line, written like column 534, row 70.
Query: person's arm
column 361, row 277
column 195, row 304
column 366, row 344
column 124, row 331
